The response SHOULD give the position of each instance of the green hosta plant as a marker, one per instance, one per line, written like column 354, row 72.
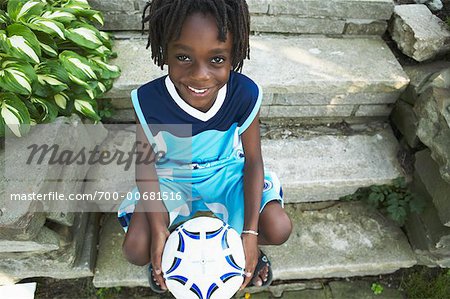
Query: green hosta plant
column 395, row 200
column 53, row 61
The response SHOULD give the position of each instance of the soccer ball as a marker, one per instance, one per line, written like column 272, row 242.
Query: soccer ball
column 203, row 258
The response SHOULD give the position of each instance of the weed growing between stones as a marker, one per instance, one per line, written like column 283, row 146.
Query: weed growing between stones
column 427, row 283
column 395, row 201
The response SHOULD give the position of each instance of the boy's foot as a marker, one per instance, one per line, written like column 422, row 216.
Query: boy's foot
column 154, row 286
column 263, row 271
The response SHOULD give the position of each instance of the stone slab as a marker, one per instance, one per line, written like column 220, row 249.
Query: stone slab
column 326, row 167
column 333, row 111
column 425, row 230
column 112, row 269
column 405, row 119
column 376, row 9
column 418, row 33
column 361, row 290
column 46, row 240
column 439, row 189
column 374, row 110
column 433, row 128
column 372, row 9
column 296, row 24
column 419, row 74
column 61, row 263
column 303, row 65
column 365, row 27
column 342, row 241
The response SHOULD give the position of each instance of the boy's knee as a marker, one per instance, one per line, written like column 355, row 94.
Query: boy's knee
column 136, row 252
column 280, row 231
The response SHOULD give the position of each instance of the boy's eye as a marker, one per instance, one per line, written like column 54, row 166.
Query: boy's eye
column 217, row 60
column 183, row 58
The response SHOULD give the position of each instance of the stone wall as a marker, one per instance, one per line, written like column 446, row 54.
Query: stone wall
column 39, row 240
column 349, row 17
column 422, row 115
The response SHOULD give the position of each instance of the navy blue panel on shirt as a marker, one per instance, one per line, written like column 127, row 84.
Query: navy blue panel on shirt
column 159, row 108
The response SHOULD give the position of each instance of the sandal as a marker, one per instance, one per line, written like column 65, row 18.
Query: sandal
column 153, row 286
column 262, row 262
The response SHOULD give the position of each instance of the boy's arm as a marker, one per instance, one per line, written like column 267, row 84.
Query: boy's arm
column 148, row 183
column 253, row 186
column 253, row 174
column 155, row 211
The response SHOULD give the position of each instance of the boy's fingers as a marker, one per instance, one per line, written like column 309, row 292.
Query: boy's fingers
column 156, row 263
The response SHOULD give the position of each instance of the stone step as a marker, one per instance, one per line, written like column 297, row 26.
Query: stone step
column 311, row 167
column 310, row 77
column 74, row 259
column 342, row 240
column 353, row 17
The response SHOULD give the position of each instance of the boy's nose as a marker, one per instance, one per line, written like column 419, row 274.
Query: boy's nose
column 200, row 72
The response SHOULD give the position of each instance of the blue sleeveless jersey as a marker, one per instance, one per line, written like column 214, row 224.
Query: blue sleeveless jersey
column 195, row 142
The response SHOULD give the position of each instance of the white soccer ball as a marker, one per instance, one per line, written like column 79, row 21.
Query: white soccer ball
column 203, row 258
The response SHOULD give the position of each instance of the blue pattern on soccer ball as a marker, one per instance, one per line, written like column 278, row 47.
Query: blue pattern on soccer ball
column 176, row 263
column 211, row 290
column 196, row 290
column 192, row 235
column 210, row 235
column 179, row 278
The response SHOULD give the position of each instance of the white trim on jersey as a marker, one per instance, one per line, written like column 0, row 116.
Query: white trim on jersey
column 203, row 116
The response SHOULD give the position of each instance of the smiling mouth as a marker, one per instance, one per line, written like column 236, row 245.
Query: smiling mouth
column 198, row 91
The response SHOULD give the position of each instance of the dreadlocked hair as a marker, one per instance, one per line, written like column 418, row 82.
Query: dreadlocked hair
column 166, row 18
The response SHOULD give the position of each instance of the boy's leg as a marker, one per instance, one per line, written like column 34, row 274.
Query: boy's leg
column 274, row 225
column 136, row 246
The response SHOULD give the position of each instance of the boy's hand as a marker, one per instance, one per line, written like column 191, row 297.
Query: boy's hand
column 251, row 251
column 157, row 247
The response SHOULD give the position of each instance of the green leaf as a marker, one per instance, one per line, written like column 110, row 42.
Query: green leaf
column 59, row 15
column 49, row 111
column 47, row 44
column 61, row 99
column 23, row 9
column 84, row 35
column 23, row 42
column 49, row 26
column 109, row 71
column 52, row 75
column 375, row 197
column 14, row 114
column 4, row 18
column 392, row 198
column 397, row 213
column 80, row 70
column 16, row 76
column 87, row 108
column 400, row 183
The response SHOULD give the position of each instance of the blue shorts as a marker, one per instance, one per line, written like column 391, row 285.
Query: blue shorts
column 221, row 194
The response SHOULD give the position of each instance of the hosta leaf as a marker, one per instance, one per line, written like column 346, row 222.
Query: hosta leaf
column 48, row 110
column 62, row 16
column 23, row 42
column 109, row 70
column 23, row 9
column 61, row 99
column 84, row 35
column 86, row 107
column 14, row 114
column 47, row 44
column 79, row 68
column 48, row 26
column 4, row 18
column 53, row 69
column 16, row 76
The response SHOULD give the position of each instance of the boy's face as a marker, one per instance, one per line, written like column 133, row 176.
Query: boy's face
column 199, row 63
